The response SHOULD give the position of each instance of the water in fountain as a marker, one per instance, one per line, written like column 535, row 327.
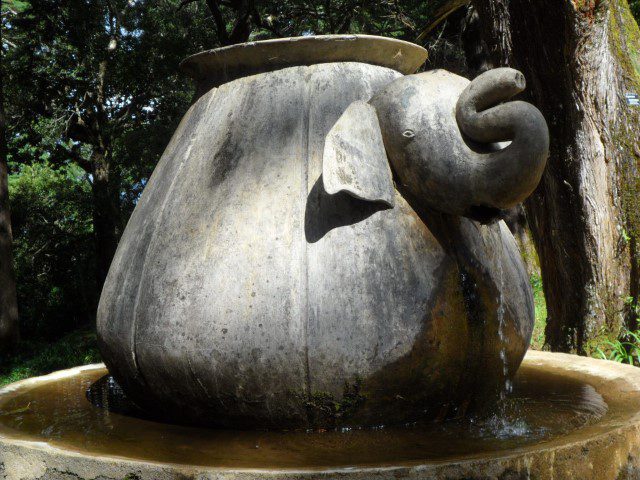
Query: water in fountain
column 542, row 405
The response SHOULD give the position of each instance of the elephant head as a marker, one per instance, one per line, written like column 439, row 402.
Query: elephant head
column 452, row 145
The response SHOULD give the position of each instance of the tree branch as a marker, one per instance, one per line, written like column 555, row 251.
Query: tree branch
column 184, row 3
column 74, row 154
column 78, row 129
column 440, row 15
column 221, row 27
column 242, row 27
column 119, row 115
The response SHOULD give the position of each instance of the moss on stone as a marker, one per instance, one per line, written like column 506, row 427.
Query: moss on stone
column 629, row 34
column 624, row 37
column 325, row 409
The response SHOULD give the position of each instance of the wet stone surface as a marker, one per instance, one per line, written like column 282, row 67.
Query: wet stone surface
column 567, row 417
column 89, row 413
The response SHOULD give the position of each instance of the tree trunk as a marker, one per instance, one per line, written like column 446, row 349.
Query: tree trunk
column 106, row 214
column 8, row 300
column 578, row 58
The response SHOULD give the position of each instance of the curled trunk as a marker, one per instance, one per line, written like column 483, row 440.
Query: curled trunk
column 508, row 176
column 449, row 161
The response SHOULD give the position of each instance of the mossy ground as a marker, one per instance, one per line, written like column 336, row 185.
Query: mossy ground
column 39, row 357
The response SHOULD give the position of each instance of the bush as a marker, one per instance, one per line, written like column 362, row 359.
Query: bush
column 53, row 248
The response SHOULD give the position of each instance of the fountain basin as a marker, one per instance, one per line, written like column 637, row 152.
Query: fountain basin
column 590, row 429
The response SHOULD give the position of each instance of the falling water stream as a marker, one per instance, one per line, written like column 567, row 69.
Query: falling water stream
column 500, row 422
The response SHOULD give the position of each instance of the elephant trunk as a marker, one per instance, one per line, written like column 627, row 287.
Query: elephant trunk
column 501, row 179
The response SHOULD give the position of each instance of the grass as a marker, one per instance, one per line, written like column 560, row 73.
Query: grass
column 625, row 349
column 40, row 357
column 537, row 338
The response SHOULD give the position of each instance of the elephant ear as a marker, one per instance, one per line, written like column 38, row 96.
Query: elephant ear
column 355, row 160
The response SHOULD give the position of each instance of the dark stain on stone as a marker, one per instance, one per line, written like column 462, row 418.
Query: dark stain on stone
column 459, row 337
column 415, row 386
column 227, row 157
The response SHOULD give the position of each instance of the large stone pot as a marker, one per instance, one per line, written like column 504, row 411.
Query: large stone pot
column 243, row 294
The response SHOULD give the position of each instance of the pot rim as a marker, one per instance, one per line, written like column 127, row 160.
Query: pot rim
column 212, row 68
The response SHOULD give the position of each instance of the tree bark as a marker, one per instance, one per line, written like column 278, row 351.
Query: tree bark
column 106, row 195
column 8, row 301
column 106, row 214
column 585, row 213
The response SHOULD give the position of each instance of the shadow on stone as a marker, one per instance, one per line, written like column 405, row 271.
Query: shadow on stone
column 324, row 212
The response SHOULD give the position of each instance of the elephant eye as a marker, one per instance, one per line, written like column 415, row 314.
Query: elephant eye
column 408, row 133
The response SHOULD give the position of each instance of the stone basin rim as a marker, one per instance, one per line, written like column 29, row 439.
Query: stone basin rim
column 221, row 65
column 623, row 379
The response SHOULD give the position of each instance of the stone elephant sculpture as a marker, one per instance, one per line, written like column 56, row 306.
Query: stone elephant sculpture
column 307, row 251
column 439, row 132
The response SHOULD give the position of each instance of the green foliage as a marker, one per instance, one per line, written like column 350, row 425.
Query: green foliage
column 53, row 75
column 53, row 248
column 537, row 338
column 41, row 357
column 254, row 20
column 625, row 349
column 68, row 96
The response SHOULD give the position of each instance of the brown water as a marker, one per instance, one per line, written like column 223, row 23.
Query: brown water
column 541, row 406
